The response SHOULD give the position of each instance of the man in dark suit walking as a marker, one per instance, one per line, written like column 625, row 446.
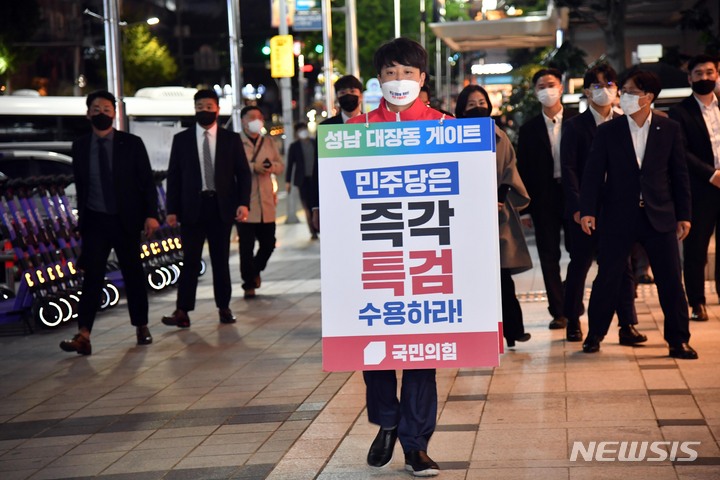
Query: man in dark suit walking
column 538, row 161
column 302, row 158
column 116, row 201
column 600, row 88
column 636, row 178
column 208, row 186
column 699, row 117
column 349, row 93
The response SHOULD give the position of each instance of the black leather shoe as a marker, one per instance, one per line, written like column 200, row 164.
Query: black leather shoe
column 226, row 315
column 592, row 343
column 523, row 338
column 630, row 336
column 699, row 313
column 258, row 281
column 558, row 323
column 418, row 462
column 683, row 351
column 178, row 319
column 381, row 450
column 249, row 293
column 79, row 344
column 645, row 279
column 574, row 332
column 143, row 335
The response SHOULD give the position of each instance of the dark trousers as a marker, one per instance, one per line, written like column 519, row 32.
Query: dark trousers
column 512, row 316
column 251, row 263
column 100, row 234
column 664, row 256
column 705, row 219
column 305, row 192
column 414, row 413
column 217, row 232
column 582, row 253
column 548, row 221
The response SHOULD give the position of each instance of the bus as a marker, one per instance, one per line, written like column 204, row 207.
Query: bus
column 32, row 122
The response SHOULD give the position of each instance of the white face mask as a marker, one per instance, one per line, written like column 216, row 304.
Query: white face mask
column 548, row 96
column 630, row 103
column 303, row 134
column 604, row 96
column 400, row 92
column 255, row 126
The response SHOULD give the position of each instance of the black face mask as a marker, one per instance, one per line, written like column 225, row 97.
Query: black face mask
column 703, row 87
column 205, row 118
column 101, row 121
column 477, row 112
column 349, row 102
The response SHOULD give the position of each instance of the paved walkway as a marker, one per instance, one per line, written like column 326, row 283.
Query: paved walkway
column 250, row 401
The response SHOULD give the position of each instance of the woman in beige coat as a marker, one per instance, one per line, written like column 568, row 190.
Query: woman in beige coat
column 474, row 101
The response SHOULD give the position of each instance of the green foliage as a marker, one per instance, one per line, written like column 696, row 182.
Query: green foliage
column 699, row 19
column 146, row 61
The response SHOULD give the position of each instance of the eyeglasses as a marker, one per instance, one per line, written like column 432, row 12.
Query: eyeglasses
column 598, row 86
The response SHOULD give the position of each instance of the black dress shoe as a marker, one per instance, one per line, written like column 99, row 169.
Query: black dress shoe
column 699, row 313
column 381, row 450
column 523, row 338
column 574, row 332
column 226, row 316
column 557, row 323
column 629, row 336
column 683, row 351
column 143, row 335
column 79, row 344
column 592, row 343
column 178, row 319
column 418, row 462
column 646, row 279
column 258, row 281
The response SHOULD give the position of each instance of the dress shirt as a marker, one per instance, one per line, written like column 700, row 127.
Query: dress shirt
column 639, row 137
column 554, row 129
column 96, row 197
column 212, row 141
column 599, row 119
column 345, row 116
column 711, row 115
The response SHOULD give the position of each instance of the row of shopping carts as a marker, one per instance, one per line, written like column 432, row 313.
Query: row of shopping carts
column 39, row 232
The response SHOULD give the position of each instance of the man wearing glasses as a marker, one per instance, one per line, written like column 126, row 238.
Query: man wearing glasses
column 600, row 88
column 636, row 180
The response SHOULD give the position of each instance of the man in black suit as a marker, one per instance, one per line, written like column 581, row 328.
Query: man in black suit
column 116, row 201
column 302, row 157
column 699, row 117
column 600, row 88
column 349, row 93
column 538, row 161
column 208, row 186
column 637, row 179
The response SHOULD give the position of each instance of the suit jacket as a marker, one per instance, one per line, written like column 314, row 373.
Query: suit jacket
column 535, row 160
column 184, row 180
column 132, row 179
column 612, row 177
column 698, row 149
column 295, row 170
column 314, row 191
column 577, row 137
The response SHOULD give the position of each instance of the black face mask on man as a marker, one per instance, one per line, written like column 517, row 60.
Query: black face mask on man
column 477, row 112
column 101, row 121
column 349, row 102
column 703, row 87
column 205, row 118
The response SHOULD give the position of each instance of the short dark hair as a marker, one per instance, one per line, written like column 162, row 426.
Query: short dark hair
column 644, row 80
column 248, row 109
column 299, row 125
column 402, row 51
column 699, row 59
column 547, row 71
column 593, row 74
column 347, row 82
column 206, row 93
column 462, row 99
column 100, row 94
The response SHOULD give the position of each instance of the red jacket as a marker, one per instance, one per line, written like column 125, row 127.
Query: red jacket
column 418, row 111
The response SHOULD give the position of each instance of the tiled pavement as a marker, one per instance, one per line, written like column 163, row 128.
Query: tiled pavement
column 250, row 400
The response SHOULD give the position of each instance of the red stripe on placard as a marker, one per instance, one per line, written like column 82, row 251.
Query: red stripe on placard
column 395, row 352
